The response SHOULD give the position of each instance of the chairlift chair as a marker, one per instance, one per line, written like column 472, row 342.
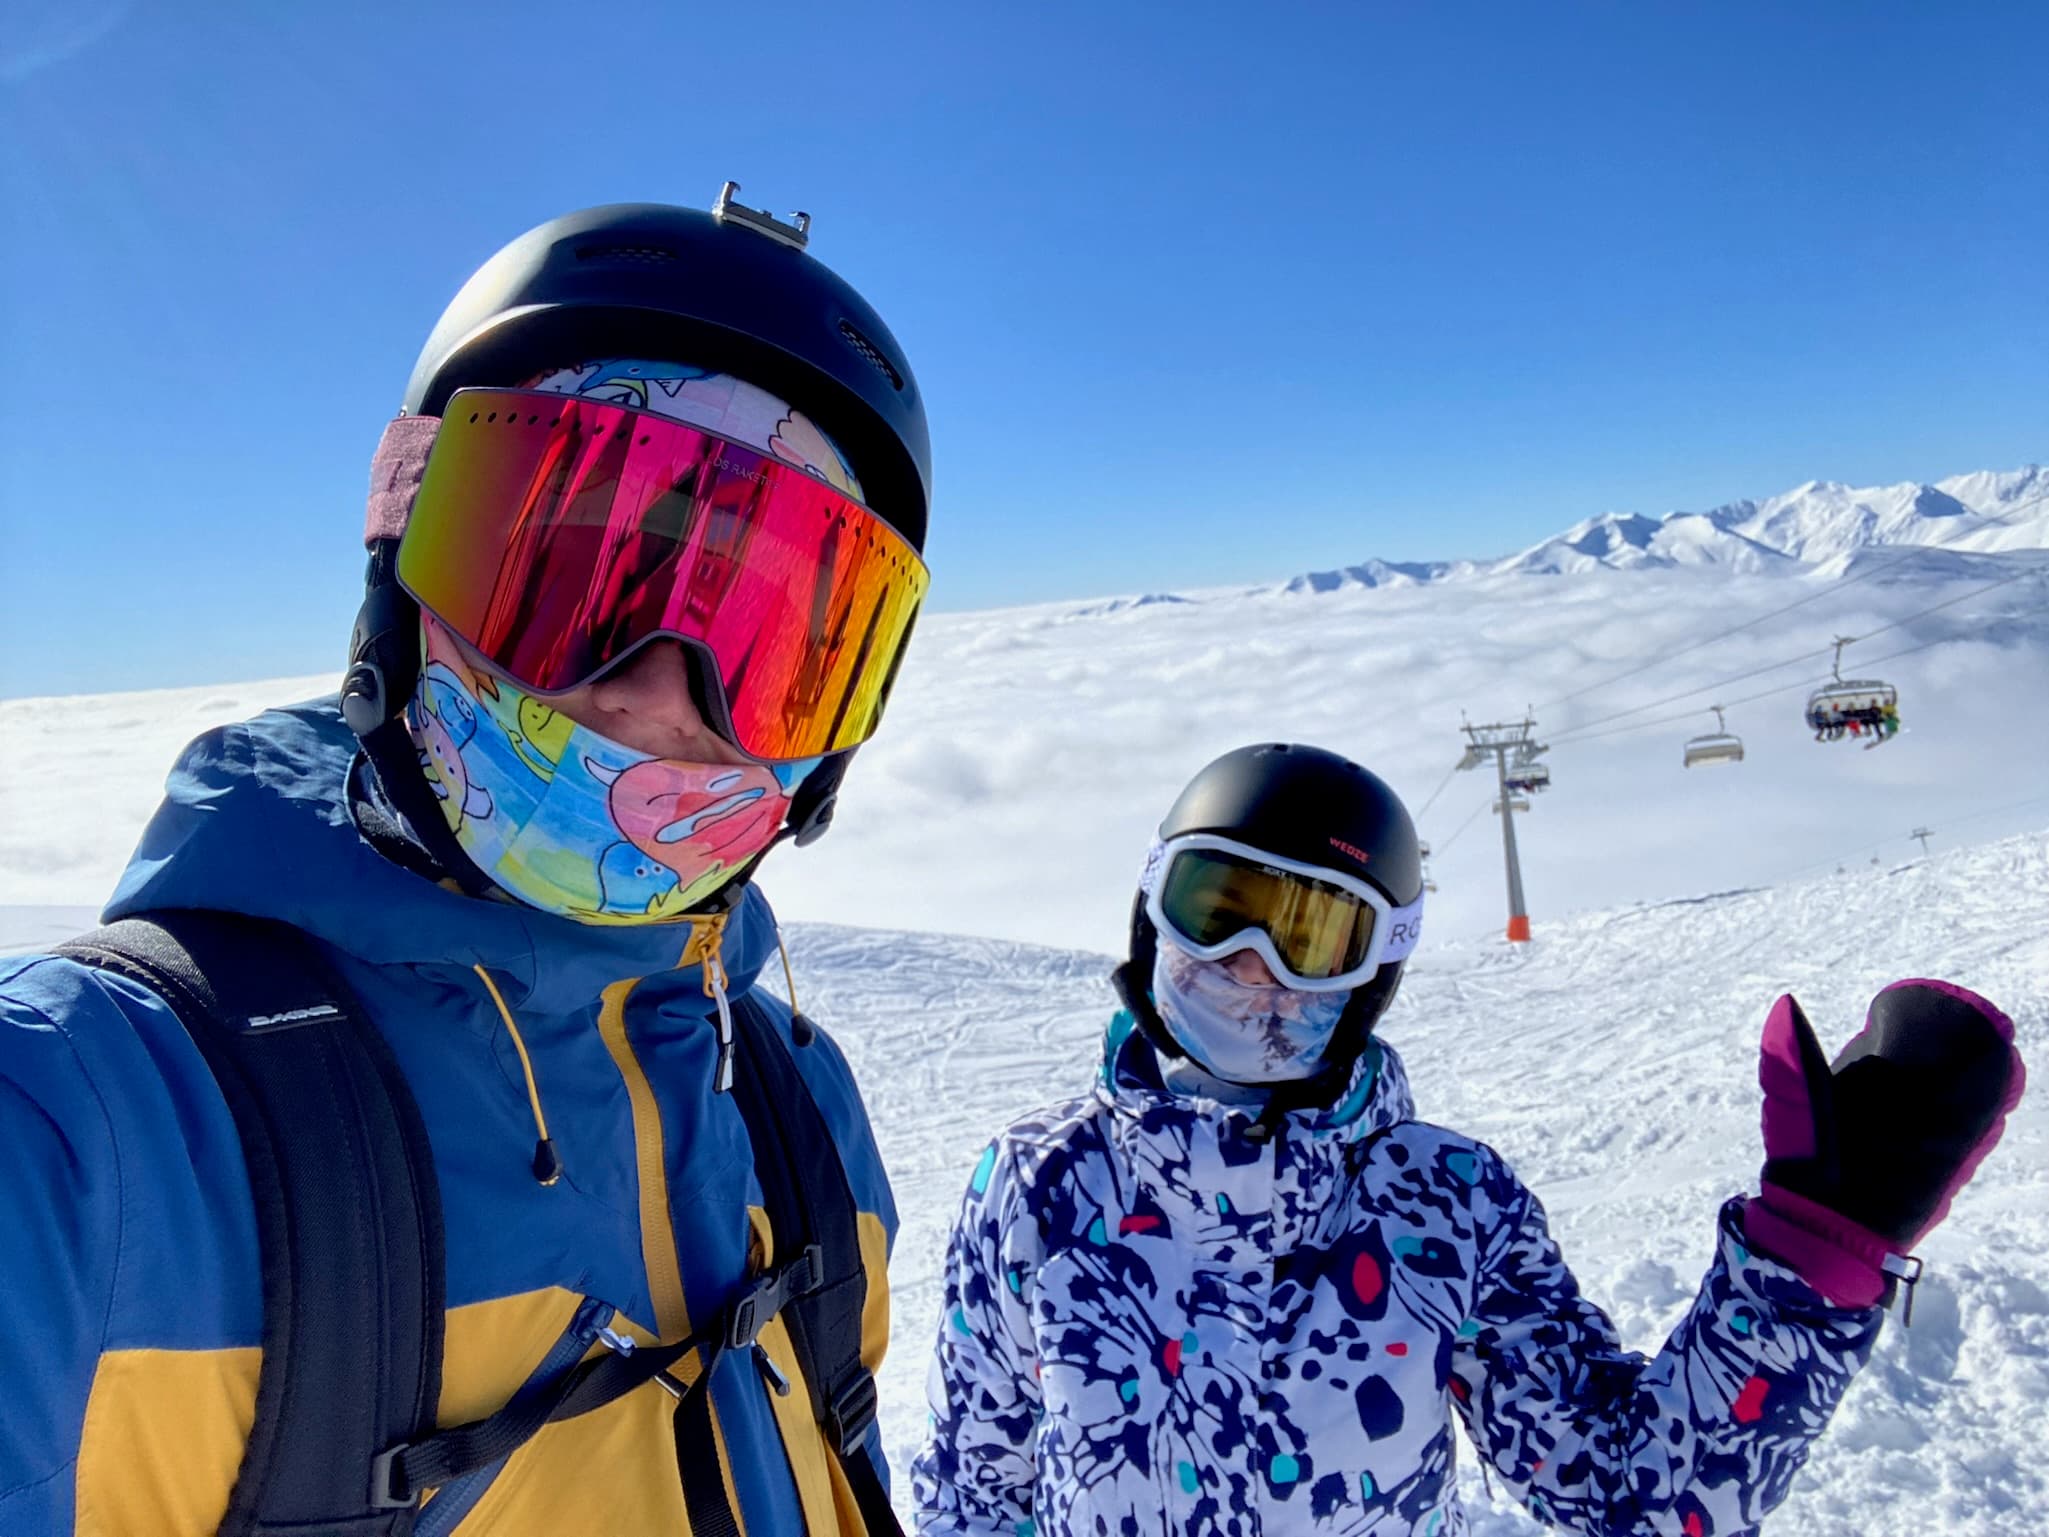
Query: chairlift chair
column 1515, row 802
column 1525, row 773
column 1718, row 746
column 1865, row 708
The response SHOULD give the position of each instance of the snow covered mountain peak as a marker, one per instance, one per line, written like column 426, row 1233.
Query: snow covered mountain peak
column 1379, row 573
column 1629, row 541
column 1812, row 525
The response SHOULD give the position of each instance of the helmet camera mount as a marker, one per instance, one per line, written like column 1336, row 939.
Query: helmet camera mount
column 729, row 210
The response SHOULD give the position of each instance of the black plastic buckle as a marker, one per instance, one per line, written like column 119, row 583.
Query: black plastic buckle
column 851, row 1413
column 753, row 1311
column 387, row 1480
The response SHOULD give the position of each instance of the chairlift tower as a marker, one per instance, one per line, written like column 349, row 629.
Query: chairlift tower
column 1924, row 834
column 1507, row 741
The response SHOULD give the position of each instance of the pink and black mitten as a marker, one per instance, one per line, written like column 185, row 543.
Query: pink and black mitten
column 1863, row 1156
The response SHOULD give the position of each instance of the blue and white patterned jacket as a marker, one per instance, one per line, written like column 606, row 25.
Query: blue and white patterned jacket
column 1157, row 1324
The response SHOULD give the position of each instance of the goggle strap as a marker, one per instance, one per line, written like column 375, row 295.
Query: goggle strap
column 395, row 472
column 1155, row 862
column 1404, row 928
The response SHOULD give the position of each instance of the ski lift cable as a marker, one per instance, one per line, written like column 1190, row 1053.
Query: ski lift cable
column 1440, row 850
column 1577, row 732
column 1990, row 811
column 1769, row 693
column 1685, row 716
column 1805, row 656
column 1906, row 553
column 1448, row 775
column 1972, row 816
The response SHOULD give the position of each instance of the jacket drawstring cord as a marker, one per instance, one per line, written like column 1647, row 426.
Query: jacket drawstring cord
column 547, row 1162
column 707, row 937
column 789, row 976
column 802, row 1031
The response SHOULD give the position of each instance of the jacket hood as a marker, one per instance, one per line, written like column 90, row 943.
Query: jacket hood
column 257, row 820
column 1377, row 1097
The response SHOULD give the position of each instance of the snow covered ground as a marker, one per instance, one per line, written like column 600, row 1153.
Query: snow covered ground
column 1029, row 752
column 1614, row 1062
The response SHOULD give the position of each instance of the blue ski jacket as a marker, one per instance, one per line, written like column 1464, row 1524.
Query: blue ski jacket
column 131, row 1326
column 1156, row 1322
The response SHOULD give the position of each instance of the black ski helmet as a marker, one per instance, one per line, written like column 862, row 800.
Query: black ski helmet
column 1316, row 808
column 733, row 291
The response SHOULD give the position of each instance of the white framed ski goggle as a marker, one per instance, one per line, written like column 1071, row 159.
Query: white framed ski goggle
column 1318, row 930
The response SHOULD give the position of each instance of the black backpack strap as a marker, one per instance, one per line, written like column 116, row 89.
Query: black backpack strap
column 811, row 1205
column 348, row 1211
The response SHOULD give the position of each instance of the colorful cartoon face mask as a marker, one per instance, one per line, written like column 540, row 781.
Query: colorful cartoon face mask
column 569, row 821
column 1242, row 1034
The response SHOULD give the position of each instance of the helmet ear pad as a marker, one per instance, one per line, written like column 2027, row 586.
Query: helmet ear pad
column 817, row 798
column 384, row 670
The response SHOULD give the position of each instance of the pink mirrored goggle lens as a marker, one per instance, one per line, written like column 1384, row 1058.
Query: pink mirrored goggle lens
column 555, row 535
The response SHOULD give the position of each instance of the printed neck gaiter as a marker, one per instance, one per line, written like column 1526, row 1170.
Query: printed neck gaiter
column 1245, row 1035
column 567, row 820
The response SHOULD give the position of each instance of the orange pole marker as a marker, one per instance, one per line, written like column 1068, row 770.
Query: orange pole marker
column 1519, row 929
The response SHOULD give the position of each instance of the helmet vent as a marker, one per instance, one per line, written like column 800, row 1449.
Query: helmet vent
column 872, row 353
column 625, row 255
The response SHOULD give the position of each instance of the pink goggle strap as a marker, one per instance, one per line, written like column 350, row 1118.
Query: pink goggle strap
column 395, row 475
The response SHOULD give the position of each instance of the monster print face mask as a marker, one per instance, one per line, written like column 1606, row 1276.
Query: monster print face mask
column 571, row 822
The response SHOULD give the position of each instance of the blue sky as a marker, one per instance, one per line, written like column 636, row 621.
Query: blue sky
column 1195, row 291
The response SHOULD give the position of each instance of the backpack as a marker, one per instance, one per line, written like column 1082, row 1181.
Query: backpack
column 344, row 1441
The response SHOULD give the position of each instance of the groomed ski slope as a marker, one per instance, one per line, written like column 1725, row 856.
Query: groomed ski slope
column 1613, row 1061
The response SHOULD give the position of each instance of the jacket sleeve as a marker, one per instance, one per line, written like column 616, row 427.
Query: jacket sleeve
column 1701, row 1440
column 975, row 1476
column 60, row 1205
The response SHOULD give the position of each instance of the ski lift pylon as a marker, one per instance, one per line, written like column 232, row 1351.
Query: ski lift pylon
column 1867, row 708
column 1718, row 746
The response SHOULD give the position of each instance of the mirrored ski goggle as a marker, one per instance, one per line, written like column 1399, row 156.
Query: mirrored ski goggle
column 556, row 535
column 1317, row 930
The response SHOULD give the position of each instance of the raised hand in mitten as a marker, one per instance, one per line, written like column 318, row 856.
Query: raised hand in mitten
column 1863, row 1156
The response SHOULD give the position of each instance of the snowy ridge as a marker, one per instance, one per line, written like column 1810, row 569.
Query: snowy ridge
column 1809, row 526
column 1816, row 523
column 1614, row 1063
column 1629, row 541
column 1380, row 573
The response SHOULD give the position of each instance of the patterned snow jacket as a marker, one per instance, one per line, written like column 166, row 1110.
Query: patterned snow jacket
column 1156, row 1324
column 131, row 1327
